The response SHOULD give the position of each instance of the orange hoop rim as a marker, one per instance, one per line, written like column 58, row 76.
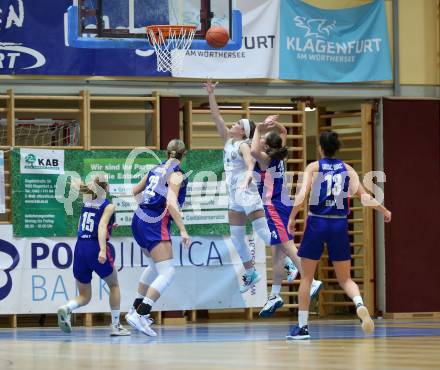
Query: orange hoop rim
column 167, row 29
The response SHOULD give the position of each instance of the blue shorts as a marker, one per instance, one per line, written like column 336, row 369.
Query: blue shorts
column 320, row 230
column 147, row 234
column 277, row 215
column 85, row 261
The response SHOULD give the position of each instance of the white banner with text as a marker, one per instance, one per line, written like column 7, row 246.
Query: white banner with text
column 36, row 275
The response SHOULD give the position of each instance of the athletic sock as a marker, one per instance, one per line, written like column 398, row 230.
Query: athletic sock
column 145, row 307
column 115, row 317
column 72, row 305
column 303, row 317
column 276, row 289
column 357, row 300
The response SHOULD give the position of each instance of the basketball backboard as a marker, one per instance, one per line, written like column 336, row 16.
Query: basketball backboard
column 121, row 23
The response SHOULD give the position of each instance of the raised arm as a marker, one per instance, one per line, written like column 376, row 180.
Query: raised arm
column 281, row 129
column 256, row 150
column 174, row 183
column 366, row 199
column 103, row 230
column 215, row 111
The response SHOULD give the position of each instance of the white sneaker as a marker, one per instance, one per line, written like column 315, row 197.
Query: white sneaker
column 367, row 323
column 291, row 270
column 273, row 303
column 130, row 311
column 315, row 288
column 118, row 331
column 149, row 318
column 64, row 319
column 141, row 323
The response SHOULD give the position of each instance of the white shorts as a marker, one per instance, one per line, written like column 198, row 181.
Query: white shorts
column 245, row 201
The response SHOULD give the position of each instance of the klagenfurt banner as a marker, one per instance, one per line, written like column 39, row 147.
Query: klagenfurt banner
column 258, row 56
column 36, row 275
column 334, row 45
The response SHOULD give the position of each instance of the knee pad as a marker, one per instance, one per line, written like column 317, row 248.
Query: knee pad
column 165, row 271
column 238, row 238
column 260, row 227
column 149, row 274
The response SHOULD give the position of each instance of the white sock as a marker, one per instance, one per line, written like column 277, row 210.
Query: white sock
column 287, row 260
column 138, row 295
column 72, row 305
column 115, row 317
column 303, row 317
column 358, row 300
column 276, row 289
column 250, row 271
column 148, row 301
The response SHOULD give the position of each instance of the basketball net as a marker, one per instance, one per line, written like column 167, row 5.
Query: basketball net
column 170, row 44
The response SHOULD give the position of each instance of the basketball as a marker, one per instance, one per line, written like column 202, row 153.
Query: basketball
column 217, row 37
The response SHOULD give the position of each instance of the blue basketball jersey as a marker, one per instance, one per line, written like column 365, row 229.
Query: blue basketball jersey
column 156, row 187
column 329, row 194
column 91, row 214
column 271, row 184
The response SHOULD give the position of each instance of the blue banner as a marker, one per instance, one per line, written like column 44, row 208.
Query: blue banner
column 337, row 45
column 33, row 40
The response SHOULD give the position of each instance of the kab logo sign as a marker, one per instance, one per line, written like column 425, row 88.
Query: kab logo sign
column 41, row 161
column 338, row 45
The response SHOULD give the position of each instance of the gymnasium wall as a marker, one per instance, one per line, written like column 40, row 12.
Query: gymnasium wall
column 419, row 37
column 412, row 166
column 115, row 130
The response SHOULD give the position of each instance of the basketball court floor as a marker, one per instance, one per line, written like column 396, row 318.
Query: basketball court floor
column 396, row 344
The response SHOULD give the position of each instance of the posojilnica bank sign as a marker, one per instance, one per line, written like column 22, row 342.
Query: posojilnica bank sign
column 337, row 45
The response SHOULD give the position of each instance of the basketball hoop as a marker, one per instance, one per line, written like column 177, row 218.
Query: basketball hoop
column 170, row 44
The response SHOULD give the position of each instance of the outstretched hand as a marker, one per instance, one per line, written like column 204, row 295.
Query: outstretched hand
column 269, row 122
column 210, row 86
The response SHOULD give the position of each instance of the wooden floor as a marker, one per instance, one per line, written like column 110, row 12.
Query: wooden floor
column 404, row 344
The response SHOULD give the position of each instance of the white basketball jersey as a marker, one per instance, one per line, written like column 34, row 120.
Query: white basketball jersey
column 233, row 161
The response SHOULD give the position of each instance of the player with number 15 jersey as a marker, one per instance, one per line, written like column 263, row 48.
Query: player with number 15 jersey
column 93, row 254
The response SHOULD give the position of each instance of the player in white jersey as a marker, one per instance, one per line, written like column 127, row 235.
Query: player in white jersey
column 244, row 200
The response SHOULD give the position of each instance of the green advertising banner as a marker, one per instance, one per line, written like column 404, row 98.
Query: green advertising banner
column 38, row 210
column 39, row 214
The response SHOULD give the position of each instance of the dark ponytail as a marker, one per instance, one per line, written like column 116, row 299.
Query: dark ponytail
column 252, row 127
column 276, row 149
column 329, row 142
